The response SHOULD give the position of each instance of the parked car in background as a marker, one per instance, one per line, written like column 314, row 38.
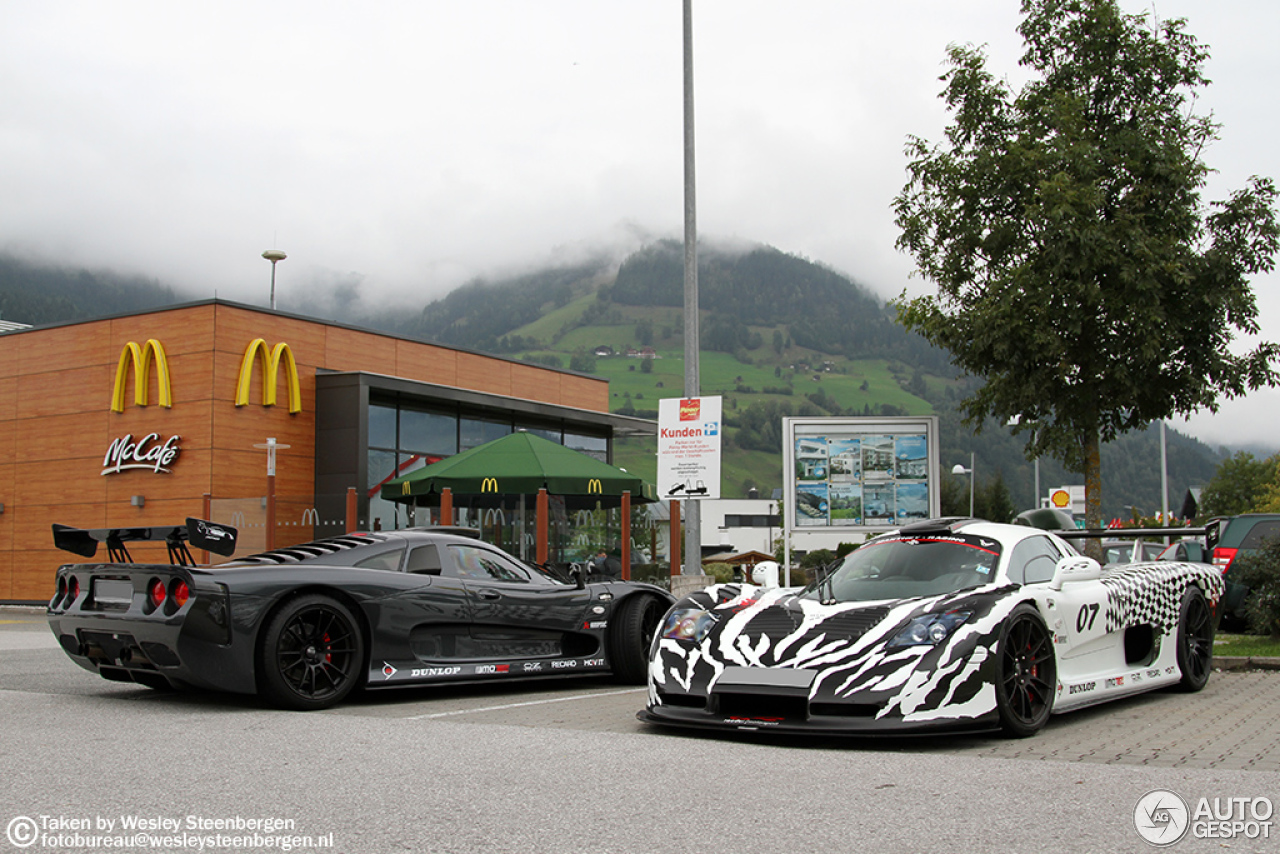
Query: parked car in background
column 1186, row 551
column 1227, row 539
column 1129, row 551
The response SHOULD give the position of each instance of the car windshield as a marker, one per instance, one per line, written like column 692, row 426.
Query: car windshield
column 898, row 567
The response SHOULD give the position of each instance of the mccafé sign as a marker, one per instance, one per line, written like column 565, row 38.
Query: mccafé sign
column 150, row 452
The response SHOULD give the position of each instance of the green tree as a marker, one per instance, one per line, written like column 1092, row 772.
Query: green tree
column 1077, row 270
column 1239, row 486
column 997, row 503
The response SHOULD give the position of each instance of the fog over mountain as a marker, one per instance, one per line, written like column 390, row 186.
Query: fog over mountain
column 401, row 149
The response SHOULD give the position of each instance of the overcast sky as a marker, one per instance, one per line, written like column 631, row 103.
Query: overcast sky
column 405, row 147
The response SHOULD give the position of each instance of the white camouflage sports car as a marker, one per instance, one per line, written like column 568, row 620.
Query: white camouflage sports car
column 943, row 624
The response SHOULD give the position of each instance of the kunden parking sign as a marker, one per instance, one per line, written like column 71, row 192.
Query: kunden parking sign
column 689, row 447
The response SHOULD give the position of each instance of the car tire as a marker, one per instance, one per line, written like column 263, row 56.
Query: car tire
column 1027, row 673
column 1195, row 640
column 630, row 633
column 312, row 654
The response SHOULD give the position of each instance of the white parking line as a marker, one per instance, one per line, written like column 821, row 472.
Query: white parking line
column 527, row 703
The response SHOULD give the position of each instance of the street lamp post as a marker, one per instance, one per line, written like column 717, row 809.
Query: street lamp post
column 271, row 446
column 960, row 469
column 274, row 256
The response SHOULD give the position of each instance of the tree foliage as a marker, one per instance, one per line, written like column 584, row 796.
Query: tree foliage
column 1077, row 270
column 1239, row 486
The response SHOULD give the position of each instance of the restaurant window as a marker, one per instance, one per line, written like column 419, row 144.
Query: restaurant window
column 477, row 431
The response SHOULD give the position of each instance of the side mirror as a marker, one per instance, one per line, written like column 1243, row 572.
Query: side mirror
column 765, row 574
column 579, row 573
column 1073, row 569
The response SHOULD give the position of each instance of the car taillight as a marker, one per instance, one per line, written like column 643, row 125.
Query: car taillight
column 156, row 592
column 74, row 589
column 181, row 592
column 1222, row 558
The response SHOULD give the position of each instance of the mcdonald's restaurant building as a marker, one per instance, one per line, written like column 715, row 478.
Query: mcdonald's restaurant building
column 149, row 418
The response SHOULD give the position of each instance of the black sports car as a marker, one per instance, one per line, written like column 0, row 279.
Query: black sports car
column 303, row 626
column 943, row 624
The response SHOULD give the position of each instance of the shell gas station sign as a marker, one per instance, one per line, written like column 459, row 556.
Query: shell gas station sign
column 1068, row 498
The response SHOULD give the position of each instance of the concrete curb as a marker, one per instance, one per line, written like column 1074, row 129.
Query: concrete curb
column 1246, row 662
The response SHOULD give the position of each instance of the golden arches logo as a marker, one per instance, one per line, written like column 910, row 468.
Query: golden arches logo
column 594, row 485
column 489, row 484
column 406, row 488
column 141, row 358
column 257, row 350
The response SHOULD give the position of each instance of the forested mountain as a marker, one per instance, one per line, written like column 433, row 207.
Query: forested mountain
column 37, row 295
column 822, row 310
column 780, row 335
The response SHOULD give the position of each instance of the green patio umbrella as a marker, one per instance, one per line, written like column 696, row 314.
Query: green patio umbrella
column 520, row 464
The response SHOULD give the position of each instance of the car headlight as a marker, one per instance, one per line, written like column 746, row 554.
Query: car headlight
column 688, row 624
column 930, row 629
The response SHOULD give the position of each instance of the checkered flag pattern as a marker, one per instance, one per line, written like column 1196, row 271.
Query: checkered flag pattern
column 1152, row 593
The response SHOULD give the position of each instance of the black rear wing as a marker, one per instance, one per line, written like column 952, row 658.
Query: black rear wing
column 210, row 536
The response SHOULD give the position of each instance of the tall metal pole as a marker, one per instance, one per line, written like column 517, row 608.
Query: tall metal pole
column 972, row 478
column 693, row 511
column 274, row 256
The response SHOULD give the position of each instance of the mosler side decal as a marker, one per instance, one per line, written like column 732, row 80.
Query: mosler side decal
column 270, row 371
column 140, row 358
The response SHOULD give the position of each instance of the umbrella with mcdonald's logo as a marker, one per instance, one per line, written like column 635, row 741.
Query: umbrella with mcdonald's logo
column 520, row 464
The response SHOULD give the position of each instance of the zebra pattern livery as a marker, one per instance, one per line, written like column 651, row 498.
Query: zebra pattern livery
column 857, row 675
column 847, row 675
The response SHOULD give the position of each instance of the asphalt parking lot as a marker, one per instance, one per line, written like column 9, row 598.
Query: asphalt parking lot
column 565, row 766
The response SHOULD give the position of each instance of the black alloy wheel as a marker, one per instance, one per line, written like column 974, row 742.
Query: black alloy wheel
column 1195, row 640
column 312, row 654
column 631, row 631
column 1028, row 673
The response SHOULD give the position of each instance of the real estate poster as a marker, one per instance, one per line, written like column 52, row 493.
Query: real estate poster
column 860, row 473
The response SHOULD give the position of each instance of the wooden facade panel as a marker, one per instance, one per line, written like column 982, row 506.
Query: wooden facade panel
column 189, row 421
column 534, row 383
column 237, row 429
column 71, row 481
column 8, row 415
column 190, row 377
column 238, row 474
column 488, row 375
column 33, row 576
column 84, row 389
column 190, row 478
column 349, row 350
column 180, row 331
column 8, row 358
column 236, row 327
column 8, row 438
column 426, row 363
column 63, row 348
column 6, row 577
column 584, row 393
column 83, row 435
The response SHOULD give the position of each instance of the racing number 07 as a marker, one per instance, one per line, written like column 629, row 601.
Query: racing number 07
column 1084, row 620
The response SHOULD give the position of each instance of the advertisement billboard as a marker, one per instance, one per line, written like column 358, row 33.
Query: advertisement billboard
column 845, row 475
